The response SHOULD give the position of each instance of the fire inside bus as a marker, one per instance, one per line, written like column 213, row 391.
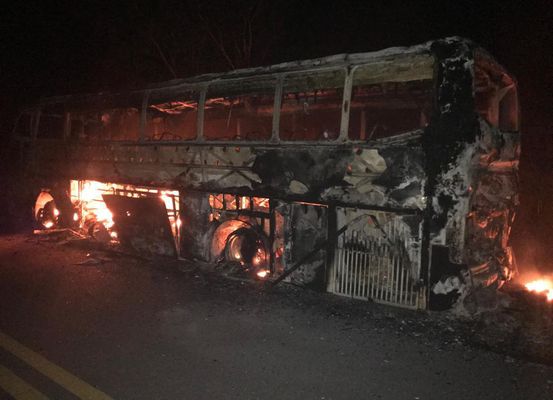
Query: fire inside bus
column 389, row 176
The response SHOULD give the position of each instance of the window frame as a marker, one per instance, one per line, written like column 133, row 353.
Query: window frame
column 204, row 97
column 62, row 135
column 346, row 95
column 483, row 60
column 16, row 133
column 202, row 89
column 199, row 90
column 419, row 130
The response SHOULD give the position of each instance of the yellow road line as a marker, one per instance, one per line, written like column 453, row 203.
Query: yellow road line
column 57, row 374
column 17, row 387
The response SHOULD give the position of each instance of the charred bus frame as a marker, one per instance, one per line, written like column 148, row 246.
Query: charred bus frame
column 389, row 175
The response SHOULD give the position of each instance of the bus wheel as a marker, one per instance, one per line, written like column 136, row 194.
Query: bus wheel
column 46, row 212
column 53, row 209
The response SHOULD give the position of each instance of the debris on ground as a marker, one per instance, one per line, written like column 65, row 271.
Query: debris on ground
column 94, row 259
column 510, row 321
column 59, row 236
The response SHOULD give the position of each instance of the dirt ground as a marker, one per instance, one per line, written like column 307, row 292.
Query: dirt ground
column 164, row 330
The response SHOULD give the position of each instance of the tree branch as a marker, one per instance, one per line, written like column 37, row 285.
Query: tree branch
column 218, row 42
column 163, row 57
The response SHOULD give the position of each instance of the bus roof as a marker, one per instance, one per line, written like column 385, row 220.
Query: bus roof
column 340, row 60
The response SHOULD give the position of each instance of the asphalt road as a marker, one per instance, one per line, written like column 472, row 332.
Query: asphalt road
column 127, row 329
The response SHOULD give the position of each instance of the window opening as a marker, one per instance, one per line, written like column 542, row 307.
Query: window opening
column 172, row 117
column 495, row 94
column 384, row 109
column 51, row 122
column 116, row 124
column 311, row 106
column 244, row 113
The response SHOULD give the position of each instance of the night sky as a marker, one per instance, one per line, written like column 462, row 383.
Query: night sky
column 64, row 47
column 56, row 47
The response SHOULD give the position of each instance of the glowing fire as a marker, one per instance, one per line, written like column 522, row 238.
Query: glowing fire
column 87, row 198
column 259, row 256
column 167, row 200
column 91, row 197
column 542, row 286
column 262, row 273
column 105, row 216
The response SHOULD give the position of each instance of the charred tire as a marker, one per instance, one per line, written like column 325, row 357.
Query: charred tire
column 248, row 246
column 54, row 204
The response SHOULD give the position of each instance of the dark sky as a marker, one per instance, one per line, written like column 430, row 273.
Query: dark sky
column 53, row 47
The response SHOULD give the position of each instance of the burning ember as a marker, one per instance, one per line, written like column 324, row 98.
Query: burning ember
column 48, row 224
column 263, row 273
column 541, row 286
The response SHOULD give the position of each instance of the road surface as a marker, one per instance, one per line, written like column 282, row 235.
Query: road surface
column 128, row 329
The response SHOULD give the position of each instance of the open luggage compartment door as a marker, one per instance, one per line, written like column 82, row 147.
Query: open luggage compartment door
column 142, row 225
column 378, row 258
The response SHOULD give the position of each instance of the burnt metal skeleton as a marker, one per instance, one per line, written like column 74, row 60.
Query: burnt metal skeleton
column 390, row 175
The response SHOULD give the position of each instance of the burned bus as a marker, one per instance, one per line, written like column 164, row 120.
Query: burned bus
column 389, row 176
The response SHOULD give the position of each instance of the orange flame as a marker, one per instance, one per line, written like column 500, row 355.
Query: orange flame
column 542, row 286
column 88, row 197
column 91, row 195
column 262, row 273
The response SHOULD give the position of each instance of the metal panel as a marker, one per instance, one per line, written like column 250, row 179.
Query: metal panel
column 378, row 261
